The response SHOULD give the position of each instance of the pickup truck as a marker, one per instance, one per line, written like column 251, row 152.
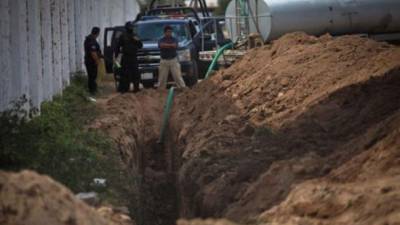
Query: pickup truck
column 189, row 31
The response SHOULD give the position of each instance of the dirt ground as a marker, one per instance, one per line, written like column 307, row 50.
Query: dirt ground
column 302, row 131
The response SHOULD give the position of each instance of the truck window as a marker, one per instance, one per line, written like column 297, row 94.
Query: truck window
column 155, row 31
column 117, row 34
column 109, row 39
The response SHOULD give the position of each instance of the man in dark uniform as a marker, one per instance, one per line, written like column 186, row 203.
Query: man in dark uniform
column 92, row 58
column 129, row 44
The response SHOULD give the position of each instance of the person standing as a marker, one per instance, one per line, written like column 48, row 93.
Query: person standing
column 129, row 44
column 92, row 58
column 169, row 61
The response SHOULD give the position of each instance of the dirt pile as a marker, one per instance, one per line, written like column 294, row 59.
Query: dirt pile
column 297, row 110
column 365, row 190
column 28, row 198
column 305, row 116
column 115, row 215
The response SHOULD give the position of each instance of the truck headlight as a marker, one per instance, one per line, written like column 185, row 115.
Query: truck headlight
column 184, row 55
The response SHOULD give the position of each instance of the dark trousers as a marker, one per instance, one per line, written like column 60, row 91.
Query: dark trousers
column 92, row 75
column 130, row 74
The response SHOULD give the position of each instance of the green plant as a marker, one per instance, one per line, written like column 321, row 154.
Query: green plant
column 56, row 143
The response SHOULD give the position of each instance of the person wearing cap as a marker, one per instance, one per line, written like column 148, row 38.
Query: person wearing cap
column 92, row 58
column 169, row 61
column 129, row 44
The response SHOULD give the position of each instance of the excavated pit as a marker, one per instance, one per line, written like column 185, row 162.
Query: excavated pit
column 134, row 122
column 243, row 144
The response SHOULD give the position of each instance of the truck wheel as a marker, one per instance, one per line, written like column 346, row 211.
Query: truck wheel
column 148, row 84
column 191, row 79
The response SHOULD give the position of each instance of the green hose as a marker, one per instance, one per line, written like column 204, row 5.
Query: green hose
column 167, row 112
column 218, row 54
column 170, row 98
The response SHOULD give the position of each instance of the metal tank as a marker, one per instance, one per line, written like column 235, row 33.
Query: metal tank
column 274, row 18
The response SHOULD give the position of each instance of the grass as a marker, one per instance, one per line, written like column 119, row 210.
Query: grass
column 57, row 144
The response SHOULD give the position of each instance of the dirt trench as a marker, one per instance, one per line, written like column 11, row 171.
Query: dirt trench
column 134, row 122
column 299, row 110
column 313, row 145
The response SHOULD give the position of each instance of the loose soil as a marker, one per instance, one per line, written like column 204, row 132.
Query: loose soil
column 301, row 109
column 301, row 117
column 29, row 198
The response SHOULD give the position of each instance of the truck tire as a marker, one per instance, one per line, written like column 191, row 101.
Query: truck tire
column 148, row 84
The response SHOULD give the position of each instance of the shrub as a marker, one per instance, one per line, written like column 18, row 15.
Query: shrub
column 56, row 143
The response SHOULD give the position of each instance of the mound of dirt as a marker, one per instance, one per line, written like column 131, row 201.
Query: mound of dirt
column 297, row 110
column 118, row 218
column 365, row 190
column 302, row 131
column 28, row 198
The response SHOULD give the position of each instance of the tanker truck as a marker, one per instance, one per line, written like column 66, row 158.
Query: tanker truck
column 273, row 18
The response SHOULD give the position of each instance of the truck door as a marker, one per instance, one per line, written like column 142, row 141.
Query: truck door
column 111, row 36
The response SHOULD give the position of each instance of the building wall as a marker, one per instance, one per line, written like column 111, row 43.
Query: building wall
column 41, row 43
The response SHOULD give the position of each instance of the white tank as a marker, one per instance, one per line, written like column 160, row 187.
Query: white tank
column 316, row 17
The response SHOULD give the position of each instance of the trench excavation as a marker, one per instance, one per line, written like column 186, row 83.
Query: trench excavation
column 134, row 122
column 248, row 143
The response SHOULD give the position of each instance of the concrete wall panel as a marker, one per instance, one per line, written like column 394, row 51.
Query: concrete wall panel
column 35, row 53
column 85, row 10
column 56, row 46
column 131, row 9
column 78, row 34
column 64, row 42
column 117, row 15
column 46, row 45
column 71, row 35
column 5, row 54
column 43, row 43
column 103, row 17
column 19, row 50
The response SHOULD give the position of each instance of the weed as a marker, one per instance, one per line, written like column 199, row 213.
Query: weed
column 56, row 143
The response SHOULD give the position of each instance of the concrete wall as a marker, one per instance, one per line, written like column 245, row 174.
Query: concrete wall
column 41, row 43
